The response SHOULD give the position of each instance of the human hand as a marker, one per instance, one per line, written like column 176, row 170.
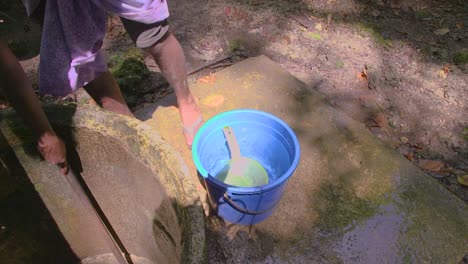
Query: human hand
column 53, row 150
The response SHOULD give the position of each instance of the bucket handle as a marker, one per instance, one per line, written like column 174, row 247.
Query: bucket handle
column 236, row 206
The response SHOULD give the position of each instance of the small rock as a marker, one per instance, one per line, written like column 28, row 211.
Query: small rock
column 404, row 140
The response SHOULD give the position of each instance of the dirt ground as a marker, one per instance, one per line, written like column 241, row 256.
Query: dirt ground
column 400, row 67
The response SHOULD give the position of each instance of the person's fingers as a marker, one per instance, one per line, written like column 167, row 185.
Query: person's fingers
column 63, row 167
column 64, row 170
column 54, row 151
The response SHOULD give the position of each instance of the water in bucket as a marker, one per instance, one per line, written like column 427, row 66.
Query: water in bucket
column 264, row 137
column 241, row 171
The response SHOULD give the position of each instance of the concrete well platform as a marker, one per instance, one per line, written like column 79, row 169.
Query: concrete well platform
column 140, row 182
column 351, row 200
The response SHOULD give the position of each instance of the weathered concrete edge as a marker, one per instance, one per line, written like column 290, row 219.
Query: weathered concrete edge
column 143, row 143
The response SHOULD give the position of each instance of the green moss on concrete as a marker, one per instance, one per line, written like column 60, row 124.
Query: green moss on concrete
column 433, row 231
column 129, row 69
column 118, row 58
column 360, row 179
column 235, row 45
column 20, row 131
column 340, row 207
column 374, row 33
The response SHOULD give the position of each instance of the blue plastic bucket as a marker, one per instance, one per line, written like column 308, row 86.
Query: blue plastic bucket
column 261, row 136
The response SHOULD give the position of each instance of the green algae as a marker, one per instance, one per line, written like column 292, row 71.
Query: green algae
column 340, row 207
column 129, row 69
column 461, row 57
column 374, row 33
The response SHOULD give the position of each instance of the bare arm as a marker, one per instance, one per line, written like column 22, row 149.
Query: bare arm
column 18, row 89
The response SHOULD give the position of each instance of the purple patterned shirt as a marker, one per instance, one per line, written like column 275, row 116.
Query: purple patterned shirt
column 72, row 37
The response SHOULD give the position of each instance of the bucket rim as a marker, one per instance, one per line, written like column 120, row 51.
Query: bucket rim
column 246, row 190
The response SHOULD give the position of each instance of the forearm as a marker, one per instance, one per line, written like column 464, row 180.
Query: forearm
column 18, row 89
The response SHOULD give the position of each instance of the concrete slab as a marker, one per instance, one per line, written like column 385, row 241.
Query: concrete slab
column 351, row 200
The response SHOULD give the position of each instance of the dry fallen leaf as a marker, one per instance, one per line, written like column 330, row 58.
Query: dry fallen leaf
column 314, row 35
column 362, row 75
column 441, row 31
column 209, row 79
column 463, row 180
column 407, row 151
column 443, row 72
column 286, row 40
column 379, row 120
column 431, row 165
